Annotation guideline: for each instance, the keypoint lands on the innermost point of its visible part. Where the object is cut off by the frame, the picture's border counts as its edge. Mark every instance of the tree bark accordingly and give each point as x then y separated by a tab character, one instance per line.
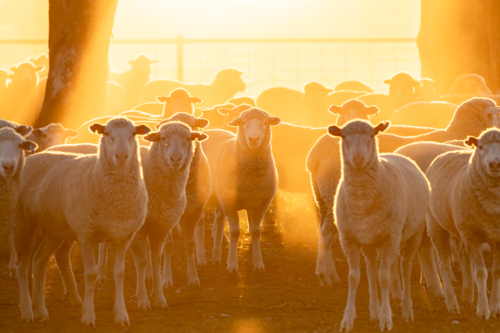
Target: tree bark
79	35
460	37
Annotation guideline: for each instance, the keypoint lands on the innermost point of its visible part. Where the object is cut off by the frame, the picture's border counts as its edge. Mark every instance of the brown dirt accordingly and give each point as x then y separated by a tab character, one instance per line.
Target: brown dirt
286	297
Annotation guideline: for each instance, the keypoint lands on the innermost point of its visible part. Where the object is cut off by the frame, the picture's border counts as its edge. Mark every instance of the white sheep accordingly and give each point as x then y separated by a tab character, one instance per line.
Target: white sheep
353	85
402	84
242	100
352	109
426	88
166	167
380	206
51	135
134	79
244	177
469	84
216	118
227	83
89	198
336	98
424	114
464	210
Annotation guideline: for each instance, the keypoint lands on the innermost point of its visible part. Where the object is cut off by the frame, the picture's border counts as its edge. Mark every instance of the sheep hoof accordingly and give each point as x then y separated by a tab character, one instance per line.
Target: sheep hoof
143	304
12	273
453	307
483	312
27	315
167	283
193	280
202	262
232	268
347	323
41	314
324	279
386	321
495	309
122	319
88	319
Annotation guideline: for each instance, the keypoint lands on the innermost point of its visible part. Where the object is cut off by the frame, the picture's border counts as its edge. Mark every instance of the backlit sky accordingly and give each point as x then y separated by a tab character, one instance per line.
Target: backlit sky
28	19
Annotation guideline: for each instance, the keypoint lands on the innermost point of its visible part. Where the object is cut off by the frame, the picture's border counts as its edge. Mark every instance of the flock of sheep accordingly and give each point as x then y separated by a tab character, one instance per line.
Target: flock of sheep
155	162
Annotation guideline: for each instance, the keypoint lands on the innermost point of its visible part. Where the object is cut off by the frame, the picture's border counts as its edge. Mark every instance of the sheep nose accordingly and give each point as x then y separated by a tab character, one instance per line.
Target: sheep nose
8	167
358	159
495	165
253	139
121	157
176	159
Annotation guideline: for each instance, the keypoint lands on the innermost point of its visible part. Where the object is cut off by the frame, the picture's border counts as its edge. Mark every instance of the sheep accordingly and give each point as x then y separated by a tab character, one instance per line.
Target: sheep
473	117
336	98
353	85
380	206
402	84
51	135
294	106
430	114
242	100
166	167
216	118
469	84
116	99
42	60
89	198
426	88
387	104
244	177
352	109
227	83
464	210
134	79
233	113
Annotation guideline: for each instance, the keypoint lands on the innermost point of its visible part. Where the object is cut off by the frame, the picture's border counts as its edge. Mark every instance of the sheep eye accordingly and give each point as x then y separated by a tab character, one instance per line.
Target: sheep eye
45	135
244	123
480	147
20	146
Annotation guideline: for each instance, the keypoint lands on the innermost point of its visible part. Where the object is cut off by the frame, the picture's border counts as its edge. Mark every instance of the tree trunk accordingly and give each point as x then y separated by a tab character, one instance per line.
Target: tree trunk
460	37
79	35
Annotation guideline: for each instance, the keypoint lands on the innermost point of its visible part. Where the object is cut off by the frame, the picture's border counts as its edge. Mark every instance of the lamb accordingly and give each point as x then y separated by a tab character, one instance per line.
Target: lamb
166	167
242	100
470	84
244	177
464	210
430	114
380	206
89	198
294	106
353	85
51	135
323	165
134	79
216	118
227	83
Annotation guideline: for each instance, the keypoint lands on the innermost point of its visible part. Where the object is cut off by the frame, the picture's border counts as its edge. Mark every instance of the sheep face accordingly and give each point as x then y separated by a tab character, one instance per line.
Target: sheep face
26	73
402	85
487	152
217	114
353	109
178	101
188	119
175	142
118	140
359	146
255	126
230	78
11	148
53	135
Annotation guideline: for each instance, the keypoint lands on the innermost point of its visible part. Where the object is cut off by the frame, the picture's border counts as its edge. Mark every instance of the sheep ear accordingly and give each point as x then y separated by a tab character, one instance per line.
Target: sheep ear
334	131
224	112
162	99
236	122
274	121
39	68
202	123
381	127
471	141
372	110
23	129
334	109
199	136
152	137
387	81
142	130
30	145
97	128
71	133
13	69
37	132
195	100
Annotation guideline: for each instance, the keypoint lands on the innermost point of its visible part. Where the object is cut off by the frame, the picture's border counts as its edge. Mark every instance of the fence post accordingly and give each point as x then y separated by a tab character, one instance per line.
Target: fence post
180	58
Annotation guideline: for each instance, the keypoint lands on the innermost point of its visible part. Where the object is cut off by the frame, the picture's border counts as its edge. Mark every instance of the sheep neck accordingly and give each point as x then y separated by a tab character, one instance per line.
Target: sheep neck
254	161
485	188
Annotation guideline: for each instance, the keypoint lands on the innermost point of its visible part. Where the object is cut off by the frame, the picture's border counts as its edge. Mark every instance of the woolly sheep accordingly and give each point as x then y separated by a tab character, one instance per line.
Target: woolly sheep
216	118
380	206
89	198
233	113
242	100
323	164
166	167
464	210
429	114
51	135
294	106
387	104
243	177
426	88
469	84
336	98
352	109
353	85
227	83
134	79
402	84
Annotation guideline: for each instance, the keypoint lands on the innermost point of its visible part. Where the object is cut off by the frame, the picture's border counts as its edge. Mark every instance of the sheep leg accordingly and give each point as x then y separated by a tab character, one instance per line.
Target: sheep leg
63	261
218	232
121	315
352	251
388	256
234	236
465	263
156	241
139	248
408	251
325	266
13	256
428	266
200	243
166	276
481	275
370	253
189	242
102	262
495	291
396	290
149	267
441	241
255	217
41	259
88	313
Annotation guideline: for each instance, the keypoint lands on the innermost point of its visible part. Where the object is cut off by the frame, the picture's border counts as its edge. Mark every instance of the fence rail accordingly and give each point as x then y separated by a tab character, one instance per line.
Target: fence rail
266	61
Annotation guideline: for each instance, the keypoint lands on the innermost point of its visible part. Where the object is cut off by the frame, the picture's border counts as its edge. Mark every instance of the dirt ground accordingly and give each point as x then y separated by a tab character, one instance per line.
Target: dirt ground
287	297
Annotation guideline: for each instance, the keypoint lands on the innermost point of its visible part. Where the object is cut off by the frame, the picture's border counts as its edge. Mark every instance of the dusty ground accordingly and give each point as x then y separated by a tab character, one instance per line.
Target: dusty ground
286	297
